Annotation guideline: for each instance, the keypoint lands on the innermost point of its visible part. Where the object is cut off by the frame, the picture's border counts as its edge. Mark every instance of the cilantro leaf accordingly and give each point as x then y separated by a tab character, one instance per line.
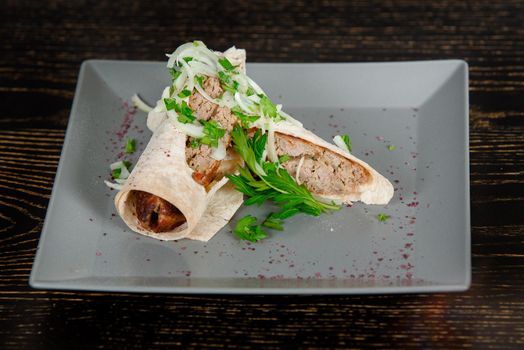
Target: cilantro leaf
130	146
245	119
170	103
213	132
224	62
185	114
228	83
247	229
184	93
250	91
383	217
116	173
199	80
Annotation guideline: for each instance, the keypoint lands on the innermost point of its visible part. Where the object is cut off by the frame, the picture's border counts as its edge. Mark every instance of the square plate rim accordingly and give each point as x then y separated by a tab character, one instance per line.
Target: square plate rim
36	283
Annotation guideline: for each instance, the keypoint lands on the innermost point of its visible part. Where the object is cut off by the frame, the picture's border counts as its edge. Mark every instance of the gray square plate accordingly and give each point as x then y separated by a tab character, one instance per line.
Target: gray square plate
421	108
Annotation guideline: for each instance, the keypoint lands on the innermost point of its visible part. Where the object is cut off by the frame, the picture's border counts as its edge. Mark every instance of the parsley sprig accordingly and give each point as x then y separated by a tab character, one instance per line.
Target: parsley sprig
261	181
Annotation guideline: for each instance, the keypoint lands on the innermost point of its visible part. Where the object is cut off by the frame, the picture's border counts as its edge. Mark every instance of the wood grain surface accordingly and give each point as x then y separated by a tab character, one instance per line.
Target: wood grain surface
42	45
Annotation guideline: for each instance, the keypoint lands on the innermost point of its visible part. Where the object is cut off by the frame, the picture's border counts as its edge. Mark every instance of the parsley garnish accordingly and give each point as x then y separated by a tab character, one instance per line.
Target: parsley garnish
284	158
391	148
185	114
184	93
383	217
130	146
245	119
227	83
174	73
195	43
116	173
268	108
199	79
262	181
170	103
250	91
194	143
347	141
224	62
247	229
213	133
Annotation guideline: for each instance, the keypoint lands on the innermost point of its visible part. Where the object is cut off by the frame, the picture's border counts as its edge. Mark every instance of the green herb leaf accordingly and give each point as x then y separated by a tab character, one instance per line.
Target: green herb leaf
245	119
247	229
267	107
170	103
224	62
199	80
195	43
188	59
347	141
194	143
185	114
130	146
273	222
250	91
383	217
227	82
262	181
116	173
284	158
184	93
174	73
213	132
391	148
127	164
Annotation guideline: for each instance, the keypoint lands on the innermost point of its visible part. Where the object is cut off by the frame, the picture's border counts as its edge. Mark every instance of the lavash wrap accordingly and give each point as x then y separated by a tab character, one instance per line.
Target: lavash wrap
162	170
377	190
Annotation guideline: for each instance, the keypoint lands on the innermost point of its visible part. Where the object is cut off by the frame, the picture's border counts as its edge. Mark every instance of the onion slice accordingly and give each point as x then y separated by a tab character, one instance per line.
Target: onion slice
193	130
340	143
299	167
140	104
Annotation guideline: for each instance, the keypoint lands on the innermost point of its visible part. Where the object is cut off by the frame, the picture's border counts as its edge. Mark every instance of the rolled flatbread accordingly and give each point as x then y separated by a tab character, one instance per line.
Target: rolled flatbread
162	171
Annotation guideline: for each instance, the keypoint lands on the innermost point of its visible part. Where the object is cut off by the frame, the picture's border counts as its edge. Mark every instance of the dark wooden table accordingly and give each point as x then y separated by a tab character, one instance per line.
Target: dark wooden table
42	46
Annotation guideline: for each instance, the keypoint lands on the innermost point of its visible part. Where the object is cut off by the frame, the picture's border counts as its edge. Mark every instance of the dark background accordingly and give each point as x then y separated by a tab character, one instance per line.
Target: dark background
42	44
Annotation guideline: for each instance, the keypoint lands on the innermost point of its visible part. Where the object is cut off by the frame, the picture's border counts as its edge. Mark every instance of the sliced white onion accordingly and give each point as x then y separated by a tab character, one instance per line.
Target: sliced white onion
165	93
200	68
180	81
120	181
140	104
228	100
173	57
113	185
254	98
192	130
206	96
270	146
117	165
299	167
340	143
219	153
243	103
